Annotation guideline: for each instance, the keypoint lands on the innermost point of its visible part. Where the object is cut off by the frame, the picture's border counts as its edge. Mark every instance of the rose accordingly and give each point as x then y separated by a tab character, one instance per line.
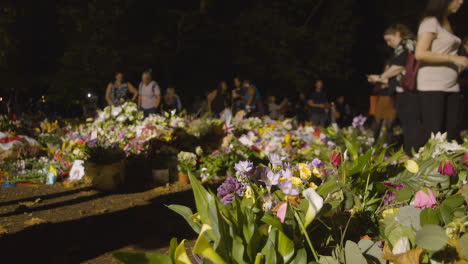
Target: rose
336	159
446	168
425	199
465	159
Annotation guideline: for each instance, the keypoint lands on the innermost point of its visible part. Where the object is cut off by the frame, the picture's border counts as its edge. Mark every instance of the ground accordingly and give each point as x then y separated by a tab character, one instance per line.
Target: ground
55	224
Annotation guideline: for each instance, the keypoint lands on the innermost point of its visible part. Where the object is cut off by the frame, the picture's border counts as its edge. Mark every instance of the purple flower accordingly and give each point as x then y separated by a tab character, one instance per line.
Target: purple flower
111	128
400	186
389	198
287	187
359	121
92	143
269	202
228	188
227	199
121	135
243	167
317	163
287	173
270	178
276	160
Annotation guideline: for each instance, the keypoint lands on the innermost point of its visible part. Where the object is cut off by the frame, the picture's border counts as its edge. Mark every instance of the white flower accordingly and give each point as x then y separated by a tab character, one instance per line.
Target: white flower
315	204
402	246
116	111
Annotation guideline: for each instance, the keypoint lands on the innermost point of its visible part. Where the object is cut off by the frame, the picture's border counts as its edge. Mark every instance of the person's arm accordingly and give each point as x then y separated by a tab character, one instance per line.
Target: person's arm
179	103
251	95
209	99
134	91
313	104
424	54
392	71
108	94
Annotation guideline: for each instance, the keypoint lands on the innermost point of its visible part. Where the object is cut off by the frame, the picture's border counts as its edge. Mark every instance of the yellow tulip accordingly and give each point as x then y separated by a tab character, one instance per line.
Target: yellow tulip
412	166
287	139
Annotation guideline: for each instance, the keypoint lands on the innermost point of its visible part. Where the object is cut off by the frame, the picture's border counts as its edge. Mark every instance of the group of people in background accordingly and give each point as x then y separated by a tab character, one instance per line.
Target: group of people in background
148	95
436	105
244	95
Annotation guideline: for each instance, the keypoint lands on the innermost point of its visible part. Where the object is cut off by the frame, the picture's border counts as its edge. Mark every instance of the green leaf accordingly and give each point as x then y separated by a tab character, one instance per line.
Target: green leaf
173	247
429	217
370	250
328	260
203	247
431	237
465	192
141	258
404	194
328	187
445	213
463	243
454	201
186	213
202	197
285	246
353	253
301	257
409	216
269	250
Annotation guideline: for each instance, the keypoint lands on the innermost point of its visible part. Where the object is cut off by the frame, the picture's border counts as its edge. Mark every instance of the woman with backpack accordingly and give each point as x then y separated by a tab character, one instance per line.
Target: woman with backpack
117	92
150	94
438	75
401	39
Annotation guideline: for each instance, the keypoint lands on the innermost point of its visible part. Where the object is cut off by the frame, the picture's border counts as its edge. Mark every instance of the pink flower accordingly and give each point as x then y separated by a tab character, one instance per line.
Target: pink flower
446	168
425	199
336	159
465	159
281	214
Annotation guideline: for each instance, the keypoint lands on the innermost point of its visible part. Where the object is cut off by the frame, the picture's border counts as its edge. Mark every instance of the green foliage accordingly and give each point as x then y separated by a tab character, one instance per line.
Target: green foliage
431	237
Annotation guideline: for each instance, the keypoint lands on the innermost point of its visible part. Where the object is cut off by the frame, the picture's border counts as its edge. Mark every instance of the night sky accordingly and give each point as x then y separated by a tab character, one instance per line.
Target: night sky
65	49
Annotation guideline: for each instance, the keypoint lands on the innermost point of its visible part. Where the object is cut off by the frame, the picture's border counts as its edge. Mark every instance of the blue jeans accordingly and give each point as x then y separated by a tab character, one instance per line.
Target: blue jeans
147	112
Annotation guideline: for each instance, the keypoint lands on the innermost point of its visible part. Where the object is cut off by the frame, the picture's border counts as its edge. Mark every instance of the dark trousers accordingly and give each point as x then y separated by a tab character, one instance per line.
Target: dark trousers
440	112
409	114
147	112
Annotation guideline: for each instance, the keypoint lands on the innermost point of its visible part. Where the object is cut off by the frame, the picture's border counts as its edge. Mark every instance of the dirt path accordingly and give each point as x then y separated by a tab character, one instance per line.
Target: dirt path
53	224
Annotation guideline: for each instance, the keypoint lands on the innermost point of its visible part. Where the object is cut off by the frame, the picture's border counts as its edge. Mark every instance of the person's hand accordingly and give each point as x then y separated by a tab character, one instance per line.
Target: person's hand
373	78
460	61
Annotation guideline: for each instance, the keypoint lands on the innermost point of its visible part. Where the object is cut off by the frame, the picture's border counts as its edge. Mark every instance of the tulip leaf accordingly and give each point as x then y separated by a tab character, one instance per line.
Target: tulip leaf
203	247
429	217
201	199
173	247
269	250
431	237
454	201
301	257
272	220
186	213
285	246
404	194
328	260
141	258
353	253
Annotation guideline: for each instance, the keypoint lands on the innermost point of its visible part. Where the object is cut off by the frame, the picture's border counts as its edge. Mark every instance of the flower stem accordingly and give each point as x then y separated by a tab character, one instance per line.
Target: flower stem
301	225
365	193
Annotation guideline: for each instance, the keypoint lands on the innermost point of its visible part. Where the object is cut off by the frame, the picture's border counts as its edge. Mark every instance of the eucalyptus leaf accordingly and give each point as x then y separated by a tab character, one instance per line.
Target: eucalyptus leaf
454	201
463	243
404	194
431	237
370	249
353	253
409	217
328	260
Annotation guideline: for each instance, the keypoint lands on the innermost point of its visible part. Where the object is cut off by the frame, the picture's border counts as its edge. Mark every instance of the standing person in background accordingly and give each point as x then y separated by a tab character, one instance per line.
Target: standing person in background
237	96
150	94
318	102
437	49
253	99
463	79
343	112
117	92
218	99
172	100
302	109
402	40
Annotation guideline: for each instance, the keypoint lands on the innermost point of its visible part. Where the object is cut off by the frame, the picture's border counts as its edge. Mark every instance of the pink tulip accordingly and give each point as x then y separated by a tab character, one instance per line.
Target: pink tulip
425	199
336	159
465	159
281	214
446	168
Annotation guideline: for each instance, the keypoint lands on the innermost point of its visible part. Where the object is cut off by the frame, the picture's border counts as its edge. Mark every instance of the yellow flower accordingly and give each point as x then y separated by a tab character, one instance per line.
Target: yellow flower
316	172
282	179
296	181
412	166
304	171
390	212
313	186
261	131
249	194
287	139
